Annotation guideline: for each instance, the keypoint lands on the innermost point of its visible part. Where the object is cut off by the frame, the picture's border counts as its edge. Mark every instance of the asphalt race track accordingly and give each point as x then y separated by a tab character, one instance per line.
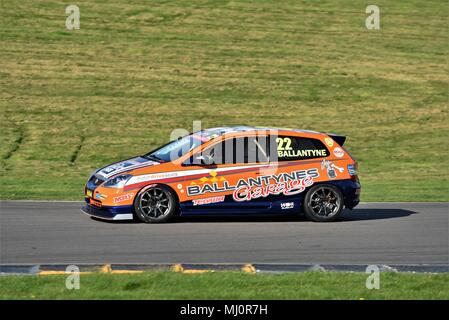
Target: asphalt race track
374	233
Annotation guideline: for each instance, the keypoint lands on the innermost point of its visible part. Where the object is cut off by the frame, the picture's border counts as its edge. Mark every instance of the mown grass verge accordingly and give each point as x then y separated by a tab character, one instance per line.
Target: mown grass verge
228	285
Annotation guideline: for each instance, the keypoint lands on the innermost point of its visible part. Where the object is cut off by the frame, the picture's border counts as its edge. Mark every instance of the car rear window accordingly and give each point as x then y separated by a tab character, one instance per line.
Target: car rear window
289	148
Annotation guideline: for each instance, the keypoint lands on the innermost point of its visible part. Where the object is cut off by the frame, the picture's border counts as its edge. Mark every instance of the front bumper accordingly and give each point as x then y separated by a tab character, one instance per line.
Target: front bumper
108	213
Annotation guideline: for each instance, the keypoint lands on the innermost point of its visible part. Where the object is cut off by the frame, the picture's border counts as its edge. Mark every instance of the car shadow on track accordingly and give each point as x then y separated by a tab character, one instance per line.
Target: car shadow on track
347	216
374	214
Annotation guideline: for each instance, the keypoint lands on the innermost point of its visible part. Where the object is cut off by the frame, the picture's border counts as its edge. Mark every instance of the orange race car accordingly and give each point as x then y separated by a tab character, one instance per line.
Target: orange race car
230	171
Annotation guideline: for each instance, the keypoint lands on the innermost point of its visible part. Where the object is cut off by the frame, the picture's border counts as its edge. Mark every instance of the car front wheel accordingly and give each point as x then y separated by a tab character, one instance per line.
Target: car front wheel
156	203
323	203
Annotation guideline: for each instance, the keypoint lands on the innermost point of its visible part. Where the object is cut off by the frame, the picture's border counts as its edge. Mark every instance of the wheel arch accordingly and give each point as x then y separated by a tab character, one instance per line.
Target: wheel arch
177	212
317	184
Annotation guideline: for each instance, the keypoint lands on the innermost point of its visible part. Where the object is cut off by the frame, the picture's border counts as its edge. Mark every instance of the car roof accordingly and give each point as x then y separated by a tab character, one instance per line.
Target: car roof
219	131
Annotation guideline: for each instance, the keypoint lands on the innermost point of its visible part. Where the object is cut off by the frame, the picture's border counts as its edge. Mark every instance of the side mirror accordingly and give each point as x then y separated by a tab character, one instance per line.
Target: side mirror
205	160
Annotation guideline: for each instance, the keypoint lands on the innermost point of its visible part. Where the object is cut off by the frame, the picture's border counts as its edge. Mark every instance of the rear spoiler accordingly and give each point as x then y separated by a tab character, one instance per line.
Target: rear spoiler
337	138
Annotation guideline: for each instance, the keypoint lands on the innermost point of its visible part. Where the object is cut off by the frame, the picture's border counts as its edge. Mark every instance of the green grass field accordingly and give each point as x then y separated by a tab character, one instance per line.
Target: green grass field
71	101
228	285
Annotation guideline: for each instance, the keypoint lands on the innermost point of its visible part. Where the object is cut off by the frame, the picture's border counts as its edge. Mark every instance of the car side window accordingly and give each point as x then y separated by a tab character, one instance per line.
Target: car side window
217	153
258	148
251	149
290	148
235	151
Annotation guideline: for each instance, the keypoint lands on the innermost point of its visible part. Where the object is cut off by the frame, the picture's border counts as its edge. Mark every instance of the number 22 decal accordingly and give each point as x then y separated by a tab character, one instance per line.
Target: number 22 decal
284	144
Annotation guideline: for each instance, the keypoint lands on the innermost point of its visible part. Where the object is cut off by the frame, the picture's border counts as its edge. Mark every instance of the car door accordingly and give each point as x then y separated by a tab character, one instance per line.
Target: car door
228	162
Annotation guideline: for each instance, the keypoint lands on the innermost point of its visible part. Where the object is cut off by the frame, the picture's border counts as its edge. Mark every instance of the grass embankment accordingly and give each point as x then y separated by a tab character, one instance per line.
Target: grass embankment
228	285
71	101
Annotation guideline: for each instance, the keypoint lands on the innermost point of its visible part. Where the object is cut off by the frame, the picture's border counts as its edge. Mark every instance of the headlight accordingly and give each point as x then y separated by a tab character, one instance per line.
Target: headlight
118	181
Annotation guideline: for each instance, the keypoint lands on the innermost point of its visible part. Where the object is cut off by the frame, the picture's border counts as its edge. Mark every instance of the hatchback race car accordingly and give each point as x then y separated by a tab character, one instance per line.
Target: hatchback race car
230	171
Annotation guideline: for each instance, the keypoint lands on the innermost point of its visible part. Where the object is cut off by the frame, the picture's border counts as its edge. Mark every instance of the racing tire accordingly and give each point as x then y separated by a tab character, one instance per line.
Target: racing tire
155	204
323	203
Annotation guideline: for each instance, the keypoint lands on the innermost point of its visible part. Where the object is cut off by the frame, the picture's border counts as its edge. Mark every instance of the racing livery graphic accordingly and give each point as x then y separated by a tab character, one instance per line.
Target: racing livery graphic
230	171
331	169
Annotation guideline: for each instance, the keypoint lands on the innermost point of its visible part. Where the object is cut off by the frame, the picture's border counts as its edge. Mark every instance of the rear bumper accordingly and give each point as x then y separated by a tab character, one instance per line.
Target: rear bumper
109	213
351	192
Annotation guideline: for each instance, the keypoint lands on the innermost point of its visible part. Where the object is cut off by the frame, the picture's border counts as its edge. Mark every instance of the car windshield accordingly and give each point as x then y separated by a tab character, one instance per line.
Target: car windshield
177	148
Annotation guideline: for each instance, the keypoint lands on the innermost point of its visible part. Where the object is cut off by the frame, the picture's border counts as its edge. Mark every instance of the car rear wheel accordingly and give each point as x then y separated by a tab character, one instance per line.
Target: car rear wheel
156	203
323	203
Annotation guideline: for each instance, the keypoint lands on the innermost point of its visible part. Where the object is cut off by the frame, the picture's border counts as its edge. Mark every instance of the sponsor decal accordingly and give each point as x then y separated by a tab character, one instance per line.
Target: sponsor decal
198	202
95	203
124	197
329	142
287	205
301	153
212	178
184	173
352	170
150	177
338	152
126	165
179	186
331	169
287	188
261	186
201	137
285	150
